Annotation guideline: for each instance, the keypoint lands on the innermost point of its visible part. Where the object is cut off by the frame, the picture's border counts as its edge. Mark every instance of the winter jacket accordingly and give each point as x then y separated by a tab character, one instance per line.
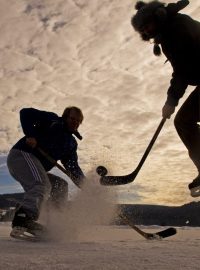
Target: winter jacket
52	136
180	42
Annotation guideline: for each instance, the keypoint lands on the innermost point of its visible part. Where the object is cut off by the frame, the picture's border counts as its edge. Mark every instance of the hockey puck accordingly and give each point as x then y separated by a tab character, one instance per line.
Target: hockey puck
101	170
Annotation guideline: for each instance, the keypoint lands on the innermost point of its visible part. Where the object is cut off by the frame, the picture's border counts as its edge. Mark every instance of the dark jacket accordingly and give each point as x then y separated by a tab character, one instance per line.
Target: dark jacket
180	42
52	136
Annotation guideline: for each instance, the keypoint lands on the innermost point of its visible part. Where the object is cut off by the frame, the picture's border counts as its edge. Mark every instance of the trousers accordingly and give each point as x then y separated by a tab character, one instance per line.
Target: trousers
38	184
188	129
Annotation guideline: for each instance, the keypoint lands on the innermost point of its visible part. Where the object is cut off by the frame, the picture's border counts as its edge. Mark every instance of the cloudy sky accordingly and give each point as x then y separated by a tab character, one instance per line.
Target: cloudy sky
84	52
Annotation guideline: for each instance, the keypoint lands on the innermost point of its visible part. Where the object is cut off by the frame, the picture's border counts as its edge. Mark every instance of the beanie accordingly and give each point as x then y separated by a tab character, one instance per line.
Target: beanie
156	12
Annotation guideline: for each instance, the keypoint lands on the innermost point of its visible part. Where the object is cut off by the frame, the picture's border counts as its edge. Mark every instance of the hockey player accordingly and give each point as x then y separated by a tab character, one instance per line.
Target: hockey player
178	37
54	135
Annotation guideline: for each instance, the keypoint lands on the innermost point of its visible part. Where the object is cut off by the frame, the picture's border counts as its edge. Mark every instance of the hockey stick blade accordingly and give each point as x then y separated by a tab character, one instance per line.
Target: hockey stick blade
166	233
118	180
126	179
159	235
150	236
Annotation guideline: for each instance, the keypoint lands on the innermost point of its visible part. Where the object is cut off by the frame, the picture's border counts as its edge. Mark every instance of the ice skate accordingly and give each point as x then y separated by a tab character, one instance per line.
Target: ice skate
25	228
23	233
194	187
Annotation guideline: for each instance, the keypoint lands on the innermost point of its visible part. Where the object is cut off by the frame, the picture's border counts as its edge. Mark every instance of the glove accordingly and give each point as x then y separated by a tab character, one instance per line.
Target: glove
167	111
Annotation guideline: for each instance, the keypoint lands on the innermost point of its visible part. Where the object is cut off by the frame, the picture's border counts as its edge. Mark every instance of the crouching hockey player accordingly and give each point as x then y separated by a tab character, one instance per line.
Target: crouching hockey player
55	135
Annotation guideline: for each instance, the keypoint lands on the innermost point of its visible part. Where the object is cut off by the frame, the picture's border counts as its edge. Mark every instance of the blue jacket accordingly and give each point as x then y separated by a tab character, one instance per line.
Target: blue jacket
52	136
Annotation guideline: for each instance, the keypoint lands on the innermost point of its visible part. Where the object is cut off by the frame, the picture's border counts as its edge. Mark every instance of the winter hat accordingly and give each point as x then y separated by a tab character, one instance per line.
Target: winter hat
158	13
154	11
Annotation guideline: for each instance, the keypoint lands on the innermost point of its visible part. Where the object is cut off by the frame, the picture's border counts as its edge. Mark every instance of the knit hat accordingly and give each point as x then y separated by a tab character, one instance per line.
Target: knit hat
148	12
154	12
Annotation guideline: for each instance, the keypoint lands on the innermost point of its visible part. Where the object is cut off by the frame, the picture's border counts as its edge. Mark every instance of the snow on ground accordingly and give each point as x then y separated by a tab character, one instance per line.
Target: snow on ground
103	248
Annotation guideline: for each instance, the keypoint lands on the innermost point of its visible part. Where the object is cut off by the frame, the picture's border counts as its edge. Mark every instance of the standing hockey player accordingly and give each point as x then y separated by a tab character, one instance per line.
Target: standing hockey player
179	38
54	135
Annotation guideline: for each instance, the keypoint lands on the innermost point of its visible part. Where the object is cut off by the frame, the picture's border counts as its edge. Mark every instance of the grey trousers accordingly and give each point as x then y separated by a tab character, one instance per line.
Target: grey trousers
36	182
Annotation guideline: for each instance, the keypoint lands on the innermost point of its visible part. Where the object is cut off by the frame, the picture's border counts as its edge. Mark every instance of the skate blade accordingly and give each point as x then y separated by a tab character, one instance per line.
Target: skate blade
22	234
195	192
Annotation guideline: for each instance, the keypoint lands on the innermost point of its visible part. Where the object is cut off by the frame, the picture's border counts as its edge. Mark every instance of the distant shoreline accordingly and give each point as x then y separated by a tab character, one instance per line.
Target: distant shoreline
140	214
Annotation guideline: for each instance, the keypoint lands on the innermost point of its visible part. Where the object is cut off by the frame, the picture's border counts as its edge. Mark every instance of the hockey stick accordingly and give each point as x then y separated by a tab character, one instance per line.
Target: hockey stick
125	179
149	236
55	163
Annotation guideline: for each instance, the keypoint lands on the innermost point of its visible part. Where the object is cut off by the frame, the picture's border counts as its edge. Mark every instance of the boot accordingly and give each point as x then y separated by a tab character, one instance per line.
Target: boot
194	187
22	224
195	183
